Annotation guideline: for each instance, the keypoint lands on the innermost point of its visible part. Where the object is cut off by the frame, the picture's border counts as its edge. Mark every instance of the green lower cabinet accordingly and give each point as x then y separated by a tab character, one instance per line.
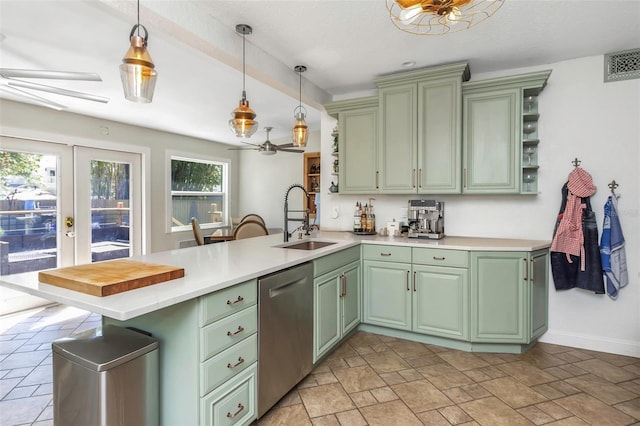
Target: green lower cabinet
337	307
508	296
441	301
387	295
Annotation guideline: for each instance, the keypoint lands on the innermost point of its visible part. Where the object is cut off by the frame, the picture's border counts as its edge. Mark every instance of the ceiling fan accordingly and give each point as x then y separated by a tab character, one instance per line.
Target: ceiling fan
268	148
11	83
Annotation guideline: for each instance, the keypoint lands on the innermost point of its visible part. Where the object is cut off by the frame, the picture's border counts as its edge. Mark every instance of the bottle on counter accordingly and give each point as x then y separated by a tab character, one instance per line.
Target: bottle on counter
363	217
371	217
357	218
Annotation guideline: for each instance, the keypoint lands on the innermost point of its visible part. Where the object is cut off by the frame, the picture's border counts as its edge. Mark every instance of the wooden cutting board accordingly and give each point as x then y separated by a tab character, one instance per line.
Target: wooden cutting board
111	277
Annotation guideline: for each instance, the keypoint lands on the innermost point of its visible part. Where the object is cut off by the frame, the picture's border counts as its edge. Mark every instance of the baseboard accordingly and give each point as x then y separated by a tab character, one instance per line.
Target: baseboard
593	343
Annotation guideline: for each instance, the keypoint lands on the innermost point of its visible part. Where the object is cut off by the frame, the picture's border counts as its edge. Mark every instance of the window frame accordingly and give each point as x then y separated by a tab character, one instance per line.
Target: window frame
197	158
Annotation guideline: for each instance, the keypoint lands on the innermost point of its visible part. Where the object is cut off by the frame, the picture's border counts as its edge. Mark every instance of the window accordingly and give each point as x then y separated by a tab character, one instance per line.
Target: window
198	189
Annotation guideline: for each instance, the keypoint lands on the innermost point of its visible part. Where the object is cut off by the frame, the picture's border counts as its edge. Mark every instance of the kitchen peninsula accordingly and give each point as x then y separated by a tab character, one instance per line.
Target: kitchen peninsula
473	294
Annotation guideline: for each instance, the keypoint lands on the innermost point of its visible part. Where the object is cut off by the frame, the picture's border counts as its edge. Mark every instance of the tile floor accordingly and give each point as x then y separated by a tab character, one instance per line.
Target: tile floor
373	380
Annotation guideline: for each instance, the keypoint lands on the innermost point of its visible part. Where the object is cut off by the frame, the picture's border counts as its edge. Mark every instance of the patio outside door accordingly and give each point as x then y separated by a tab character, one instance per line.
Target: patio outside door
67	206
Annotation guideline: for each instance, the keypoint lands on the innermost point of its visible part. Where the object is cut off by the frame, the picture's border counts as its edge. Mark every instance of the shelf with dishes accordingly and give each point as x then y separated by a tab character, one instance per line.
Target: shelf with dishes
529	142
311	177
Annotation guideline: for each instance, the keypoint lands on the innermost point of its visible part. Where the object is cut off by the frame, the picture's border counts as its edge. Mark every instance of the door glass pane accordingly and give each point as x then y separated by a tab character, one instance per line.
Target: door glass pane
110	210
28	212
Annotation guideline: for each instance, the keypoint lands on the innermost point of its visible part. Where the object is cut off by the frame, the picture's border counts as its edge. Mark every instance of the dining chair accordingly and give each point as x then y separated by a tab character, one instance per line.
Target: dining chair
248	229
256	217
197	232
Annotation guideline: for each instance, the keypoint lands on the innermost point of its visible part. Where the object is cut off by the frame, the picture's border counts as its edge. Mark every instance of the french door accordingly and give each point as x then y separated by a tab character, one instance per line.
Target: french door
63	206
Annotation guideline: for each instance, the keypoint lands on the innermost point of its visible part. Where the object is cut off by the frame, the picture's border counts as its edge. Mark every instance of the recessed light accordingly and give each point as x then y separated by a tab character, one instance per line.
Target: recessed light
408	64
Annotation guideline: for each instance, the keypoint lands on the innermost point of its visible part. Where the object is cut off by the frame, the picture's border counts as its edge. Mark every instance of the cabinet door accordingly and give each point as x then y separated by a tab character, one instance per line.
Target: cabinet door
439	137
441	301
398	136
358	151
499	302
351	300
387	295
327	314
539	292
490	139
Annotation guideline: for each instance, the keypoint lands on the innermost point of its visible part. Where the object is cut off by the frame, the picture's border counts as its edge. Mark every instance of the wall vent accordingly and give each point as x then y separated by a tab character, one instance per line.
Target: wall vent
623	65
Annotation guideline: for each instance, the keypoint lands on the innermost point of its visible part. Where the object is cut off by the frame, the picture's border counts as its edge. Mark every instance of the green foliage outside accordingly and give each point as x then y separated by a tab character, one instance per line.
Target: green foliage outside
109	180
195	176
20	164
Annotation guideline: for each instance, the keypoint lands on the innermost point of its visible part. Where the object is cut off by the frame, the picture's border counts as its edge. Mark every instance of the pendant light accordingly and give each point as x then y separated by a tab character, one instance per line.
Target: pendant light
137	69
243	123
300	133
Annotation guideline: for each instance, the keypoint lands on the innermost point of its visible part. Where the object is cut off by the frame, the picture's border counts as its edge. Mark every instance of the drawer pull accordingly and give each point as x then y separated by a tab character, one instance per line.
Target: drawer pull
233	416
385	254
239	330
240	361
438	257
238	300
408	281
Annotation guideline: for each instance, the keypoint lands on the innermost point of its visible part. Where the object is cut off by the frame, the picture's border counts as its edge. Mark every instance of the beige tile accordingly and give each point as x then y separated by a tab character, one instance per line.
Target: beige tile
355	361
291	398
384	394
491	359
364	350
526	373
325	378
408	349
593	410
463	360
392	378
421	361
337	364
565	371
552	348
410	375
421	396
492	411
458	395
455	415
351	418
486	373
548	391
617	360
291	415
386	362
451	381
564	387
437	370
606	371
362	338
358	379
632	408
321	368
633	386
542	359
535	414
308	382
476	391
345	350
513	392
569	421
328	420
601	389
554	410
362	399
325	399
633	368
390	413
433	418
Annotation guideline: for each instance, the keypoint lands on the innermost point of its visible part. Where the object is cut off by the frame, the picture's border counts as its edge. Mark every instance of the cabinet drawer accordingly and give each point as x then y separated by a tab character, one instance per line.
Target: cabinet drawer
232	403
228	331
226	364
441	257
334	261
225	302
386	253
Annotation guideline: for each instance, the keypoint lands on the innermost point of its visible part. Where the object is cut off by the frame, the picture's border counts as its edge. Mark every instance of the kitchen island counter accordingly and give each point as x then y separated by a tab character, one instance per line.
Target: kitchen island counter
213	267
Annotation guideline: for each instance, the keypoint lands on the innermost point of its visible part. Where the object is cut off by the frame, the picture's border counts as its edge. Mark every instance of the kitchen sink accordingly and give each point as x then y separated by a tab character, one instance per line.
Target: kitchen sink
307	245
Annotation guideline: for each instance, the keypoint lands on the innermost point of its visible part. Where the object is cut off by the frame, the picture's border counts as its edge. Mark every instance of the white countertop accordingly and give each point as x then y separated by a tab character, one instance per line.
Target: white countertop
216	266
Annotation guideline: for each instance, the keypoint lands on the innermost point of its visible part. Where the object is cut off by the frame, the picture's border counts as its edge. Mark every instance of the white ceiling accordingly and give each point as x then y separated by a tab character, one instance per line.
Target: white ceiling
344	43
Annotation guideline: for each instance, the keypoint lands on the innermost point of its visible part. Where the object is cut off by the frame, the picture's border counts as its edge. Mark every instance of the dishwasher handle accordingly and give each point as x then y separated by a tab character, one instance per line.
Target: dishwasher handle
285	287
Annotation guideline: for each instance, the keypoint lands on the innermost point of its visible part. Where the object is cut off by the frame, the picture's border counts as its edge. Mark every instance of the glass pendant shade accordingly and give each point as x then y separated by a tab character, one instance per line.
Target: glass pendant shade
243	122
137	70
437	17
300	133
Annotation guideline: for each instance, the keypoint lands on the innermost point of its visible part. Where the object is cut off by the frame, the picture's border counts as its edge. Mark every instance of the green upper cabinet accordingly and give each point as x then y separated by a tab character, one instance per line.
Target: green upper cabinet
420	130
492	136
357	144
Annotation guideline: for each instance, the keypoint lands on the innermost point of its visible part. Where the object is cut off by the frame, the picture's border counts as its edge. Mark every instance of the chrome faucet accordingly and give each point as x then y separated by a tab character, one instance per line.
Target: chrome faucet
304	219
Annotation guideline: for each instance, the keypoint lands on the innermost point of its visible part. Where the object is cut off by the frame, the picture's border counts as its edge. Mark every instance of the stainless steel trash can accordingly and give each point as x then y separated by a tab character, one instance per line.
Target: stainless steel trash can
105	376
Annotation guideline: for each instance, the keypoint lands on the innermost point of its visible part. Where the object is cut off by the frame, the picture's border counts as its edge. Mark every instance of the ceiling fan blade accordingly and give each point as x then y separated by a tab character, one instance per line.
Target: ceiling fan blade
252	144
285	145
33	98
242	149
52	75
290	150
57	91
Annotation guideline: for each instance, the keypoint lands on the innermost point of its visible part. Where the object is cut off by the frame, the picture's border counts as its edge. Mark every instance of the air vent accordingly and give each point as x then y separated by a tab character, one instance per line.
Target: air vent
623	65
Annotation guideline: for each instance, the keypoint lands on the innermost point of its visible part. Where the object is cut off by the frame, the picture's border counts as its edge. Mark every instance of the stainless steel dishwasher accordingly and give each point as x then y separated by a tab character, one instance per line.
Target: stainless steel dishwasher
285	334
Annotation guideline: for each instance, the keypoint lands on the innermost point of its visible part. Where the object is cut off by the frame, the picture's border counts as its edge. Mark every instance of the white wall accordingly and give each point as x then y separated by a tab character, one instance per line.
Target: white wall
264	180
580	116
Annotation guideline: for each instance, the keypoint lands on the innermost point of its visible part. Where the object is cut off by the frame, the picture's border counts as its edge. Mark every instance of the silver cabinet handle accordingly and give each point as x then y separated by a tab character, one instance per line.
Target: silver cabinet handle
233	333
413	178
385	254
414	281
533	269
419	178
240	361
238	300
526	270
408	281
377	174
232	416
438	257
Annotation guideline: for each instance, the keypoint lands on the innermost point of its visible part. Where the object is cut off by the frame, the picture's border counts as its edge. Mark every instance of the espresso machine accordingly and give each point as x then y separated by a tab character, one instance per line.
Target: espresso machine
426	219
